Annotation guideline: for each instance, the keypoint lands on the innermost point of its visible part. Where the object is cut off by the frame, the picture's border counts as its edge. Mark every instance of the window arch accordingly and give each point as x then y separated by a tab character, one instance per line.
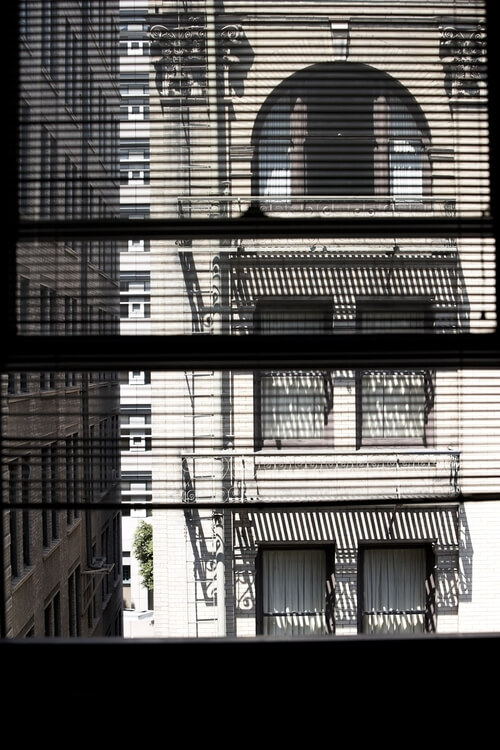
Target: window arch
341	129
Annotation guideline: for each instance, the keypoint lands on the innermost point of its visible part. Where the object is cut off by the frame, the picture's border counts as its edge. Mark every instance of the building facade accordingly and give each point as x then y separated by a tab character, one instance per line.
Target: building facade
322	501
135	305
60	429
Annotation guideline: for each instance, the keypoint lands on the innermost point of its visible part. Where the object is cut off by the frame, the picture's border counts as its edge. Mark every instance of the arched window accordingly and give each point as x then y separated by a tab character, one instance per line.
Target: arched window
341	130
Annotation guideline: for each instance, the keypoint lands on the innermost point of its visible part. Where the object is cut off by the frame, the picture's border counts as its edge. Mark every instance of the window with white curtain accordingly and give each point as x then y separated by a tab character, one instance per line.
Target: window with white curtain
293	595
396	595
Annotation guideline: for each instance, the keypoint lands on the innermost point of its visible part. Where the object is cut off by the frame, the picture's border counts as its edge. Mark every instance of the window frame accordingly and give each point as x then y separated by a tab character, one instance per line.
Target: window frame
430	619
329	611
262	443
426	439
301	140
404	305
113	352
324	308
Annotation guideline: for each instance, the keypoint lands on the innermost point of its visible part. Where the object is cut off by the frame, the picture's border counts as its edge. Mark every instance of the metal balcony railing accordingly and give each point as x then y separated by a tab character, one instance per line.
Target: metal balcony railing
290	477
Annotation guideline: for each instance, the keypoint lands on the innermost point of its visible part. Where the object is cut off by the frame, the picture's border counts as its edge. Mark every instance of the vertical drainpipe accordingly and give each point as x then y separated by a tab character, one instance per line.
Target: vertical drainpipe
212	100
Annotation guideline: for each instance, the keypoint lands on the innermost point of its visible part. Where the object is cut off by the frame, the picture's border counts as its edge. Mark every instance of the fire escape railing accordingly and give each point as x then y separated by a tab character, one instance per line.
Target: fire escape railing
319	477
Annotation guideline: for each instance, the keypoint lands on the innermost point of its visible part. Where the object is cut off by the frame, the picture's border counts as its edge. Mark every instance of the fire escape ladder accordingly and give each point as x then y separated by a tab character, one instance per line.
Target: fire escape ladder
201	468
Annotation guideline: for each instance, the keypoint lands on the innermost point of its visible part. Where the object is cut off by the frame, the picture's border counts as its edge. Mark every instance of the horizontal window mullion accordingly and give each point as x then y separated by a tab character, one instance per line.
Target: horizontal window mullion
273	351
257	225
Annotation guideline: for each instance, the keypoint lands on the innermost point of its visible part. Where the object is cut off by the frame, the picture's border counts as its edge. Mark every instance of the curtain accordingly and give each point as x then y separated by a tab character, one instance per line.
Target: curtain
394	591
406	172
381	158
294	592
298	132
274	151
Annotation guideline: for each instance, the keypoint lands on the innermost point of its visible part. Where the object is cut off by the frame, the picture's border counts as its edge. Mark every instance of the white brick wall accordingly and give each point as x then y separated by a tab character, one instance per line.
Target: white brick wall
479	609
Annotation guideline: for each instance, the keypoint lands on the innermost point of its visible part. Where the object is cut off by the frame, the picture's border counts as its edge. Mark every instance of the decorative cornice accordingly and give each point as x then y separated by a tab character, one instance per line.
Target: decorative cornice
231	36
462	49
181	57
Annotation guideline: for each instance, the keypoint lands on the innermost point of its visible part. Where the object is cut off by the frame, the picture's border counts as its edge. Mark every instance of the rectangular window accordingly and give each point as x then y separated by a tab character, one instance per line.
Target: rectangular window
24	19
48	182
393	313
47	328
47	310
396	407
324	153
71	68
25	497
49	35
71	481
295	592
293	315
397	591
70	189
294	407
52	617
74	603
24	305
405	153
13	518
25	159
49	494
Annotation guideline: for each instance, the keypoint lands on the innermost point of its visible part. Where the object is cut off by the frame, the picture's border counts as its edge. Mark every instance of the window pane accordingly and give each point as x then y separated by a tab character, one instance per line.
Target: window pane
135	121
334	138
201	462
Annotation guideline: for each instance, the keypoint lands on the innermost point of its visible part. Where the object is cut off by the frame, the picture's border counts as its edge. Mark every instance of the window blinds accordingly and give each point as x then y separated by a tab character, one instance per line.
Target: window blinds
254	262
